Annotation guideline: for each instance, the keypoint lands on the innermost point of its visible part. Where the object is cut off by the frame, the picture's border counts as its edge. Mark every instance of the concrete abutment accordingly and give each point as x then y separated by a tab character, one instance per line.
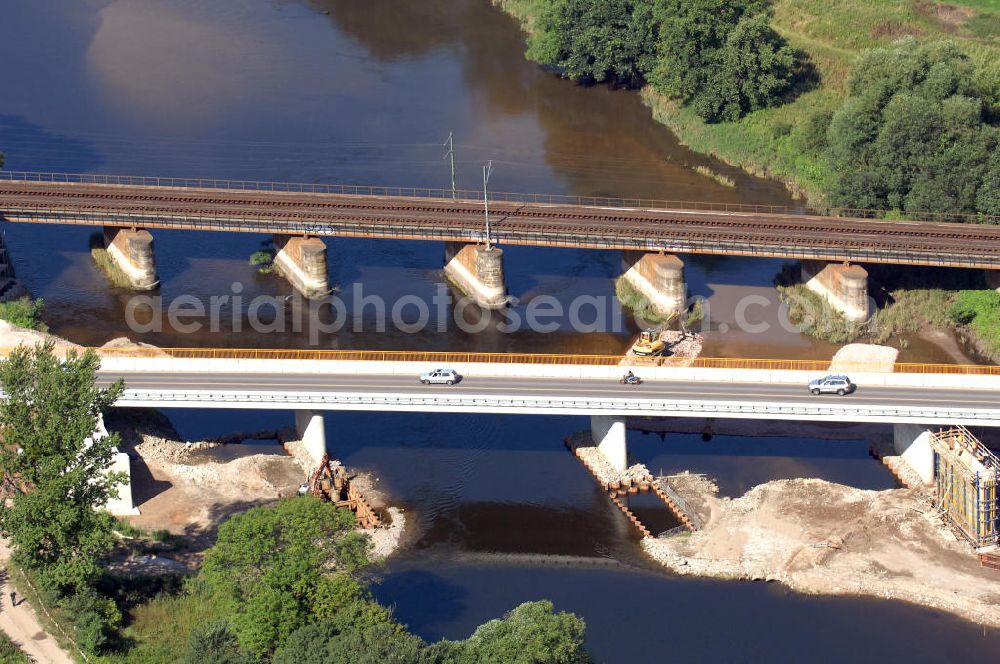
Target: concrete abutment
913	443
302	261
609	434
478	272
844	287
311	430
659	278
132	250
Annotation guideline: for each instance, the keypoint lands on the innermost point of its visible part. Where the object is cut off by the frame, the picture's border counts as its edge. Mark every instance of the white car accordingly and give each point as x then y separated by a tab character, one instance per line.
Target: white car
440	376
839	385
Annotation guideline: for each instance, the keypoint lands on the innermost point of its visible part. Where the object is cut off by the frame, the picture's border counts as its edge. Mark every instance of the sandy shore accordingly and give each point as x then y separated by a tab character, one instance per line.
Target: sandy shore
819	537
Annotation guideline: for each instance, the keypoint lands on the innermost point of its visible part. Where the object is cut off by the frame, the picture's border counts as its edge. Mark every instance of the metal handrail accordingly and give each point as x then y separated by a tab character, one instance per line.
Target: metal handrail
446	357
476	196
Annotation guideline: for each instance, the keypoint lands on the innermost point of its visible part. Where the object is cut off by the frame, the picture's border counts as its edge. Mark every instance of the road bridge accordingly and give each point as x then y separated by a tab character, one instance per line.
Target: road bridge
298	215
309	382
540	385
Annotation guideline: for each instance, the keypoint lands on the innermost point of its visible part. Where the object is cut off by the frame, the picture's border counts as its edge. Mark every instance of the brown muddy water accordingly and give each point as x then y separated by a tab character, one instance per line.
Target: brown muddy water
278	90
365	94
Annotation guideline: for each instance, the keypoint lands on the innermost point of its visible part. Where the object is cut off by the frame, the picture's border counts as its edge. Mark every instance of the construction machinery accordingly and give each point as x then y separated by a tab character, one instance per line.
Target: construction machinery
331	482
649	344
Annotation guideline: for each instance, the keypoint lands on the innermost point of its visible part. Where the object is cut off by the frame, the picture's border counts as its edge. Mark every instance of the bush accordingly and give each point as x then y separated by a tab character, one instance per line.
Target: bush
96	620
753	70
721	56
23	312
214	644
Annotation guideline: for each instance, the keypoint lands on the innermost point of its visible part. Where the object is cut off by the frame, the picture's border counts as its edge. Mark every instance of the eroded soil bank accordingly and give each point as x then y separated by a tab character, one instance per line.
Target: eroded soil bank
820	537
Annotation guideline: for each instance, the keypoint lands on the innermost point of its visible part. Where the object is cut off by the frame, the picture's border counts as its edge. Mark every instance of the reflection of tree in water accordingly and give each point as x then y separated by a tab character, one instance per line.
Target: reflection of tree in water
393	30
601	142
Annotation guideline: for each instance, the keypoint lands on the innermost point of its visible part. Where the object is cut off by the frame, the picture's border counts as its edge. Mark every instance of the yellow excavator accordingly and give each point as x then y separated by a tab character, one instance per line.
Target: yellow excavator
649	344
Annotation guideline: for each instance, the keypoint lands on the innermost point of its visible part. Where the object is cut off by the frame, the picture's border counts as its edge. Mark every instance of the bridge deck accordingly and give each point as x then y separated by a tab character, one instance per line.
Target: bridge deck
526	223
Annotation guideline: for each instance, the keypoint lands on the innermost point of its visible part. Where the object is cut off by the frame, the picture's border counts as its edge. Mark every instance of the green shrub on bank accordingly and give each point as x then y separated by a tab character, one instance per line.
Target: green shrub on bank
979	311
23	312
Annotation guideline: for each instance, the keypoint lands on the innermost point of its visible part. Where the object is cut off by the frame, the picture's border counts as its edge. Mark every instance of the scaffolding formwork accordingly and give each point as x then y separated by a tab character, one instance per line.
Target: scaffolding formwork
967	476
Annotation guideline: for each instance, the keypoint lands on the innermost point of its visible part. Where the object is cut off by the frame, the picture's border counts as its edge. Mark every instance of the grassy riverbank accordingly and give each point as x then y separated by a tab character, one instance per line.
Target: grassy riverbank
775	142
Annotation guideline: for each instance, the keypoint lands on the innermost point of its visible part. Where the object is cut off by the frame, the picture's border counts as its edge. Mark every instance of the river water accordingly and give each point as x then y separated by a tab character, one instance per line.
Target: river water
366	94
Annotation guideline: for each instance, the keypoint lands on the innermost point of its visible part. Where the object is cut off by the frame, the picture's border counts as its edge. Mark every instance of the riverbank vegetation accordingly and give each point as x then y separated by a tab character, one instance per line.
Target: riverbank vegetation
891	104
283	583
24	312
909	300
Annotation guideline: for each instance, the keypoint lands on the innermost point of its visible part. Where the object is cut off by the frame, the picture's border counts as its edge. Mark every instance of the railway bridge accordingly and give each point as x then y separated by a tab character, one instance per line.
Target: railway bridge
650	233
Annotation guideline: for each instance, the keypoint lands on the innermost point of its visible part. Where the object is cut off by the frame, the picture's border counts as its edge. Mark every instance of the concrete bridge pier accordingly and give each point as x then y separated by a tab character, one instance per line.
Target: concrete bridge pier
302	261
478	272
132	250
658	277
609	435
913	443
843	286
311	431
993	279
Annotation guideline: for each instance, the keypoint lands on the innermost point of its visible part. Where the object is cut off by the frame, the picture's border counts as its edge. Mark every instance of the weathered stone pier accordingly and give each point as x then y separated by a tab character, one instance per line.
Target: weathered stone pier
478	272
843	286
302	261
658	277
132	250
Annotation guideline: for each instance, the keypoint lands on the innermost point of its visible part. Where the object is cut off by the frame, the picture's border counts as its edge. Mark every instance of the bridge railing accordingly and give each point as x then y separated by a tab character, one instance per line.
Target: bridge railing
475	196
444	358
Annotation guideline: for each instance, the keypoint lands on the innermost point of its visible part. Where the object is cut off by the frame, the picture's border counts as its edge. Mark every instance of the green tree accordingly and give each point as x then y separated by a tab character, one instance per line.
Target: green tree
913	134
376	645
55	474
532	633
273	563
701	55
596	40
755	68
988	196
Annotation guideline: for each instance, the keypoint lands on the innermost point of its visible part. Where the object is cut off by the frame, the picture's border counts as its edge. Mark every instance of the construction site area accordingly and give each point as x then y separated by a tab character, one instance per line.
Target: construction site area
931	544
189	488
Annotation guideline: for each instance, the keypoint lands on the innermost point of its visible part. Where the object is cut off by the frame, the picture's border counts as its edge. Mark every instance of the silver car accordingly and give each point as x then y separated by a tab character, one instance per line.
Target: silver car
839	385
440	376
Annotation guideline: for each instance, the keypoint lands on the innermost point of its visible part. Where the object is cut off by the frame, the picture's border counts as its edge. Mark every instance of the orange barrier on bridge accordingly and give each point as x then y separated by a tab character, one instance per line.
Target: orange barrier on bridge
445	358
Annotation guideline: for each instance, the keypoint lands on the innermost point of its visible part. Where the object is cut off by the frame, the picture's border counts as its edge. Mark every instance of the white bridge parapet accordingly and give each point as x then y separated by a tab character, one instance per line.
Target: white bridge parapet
552	389
497	369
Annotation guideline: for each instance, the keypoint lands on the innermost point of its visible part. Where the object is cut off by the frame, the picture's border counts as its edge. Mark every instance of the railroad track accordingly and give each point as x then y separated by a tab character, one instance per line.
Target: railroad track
739	233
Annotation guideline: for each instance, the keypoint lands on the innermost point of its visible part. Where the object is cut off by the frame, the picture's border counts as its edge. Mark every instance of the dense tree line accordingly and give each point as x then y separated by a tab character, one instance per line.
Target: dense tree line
721	56
913	134
916	132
